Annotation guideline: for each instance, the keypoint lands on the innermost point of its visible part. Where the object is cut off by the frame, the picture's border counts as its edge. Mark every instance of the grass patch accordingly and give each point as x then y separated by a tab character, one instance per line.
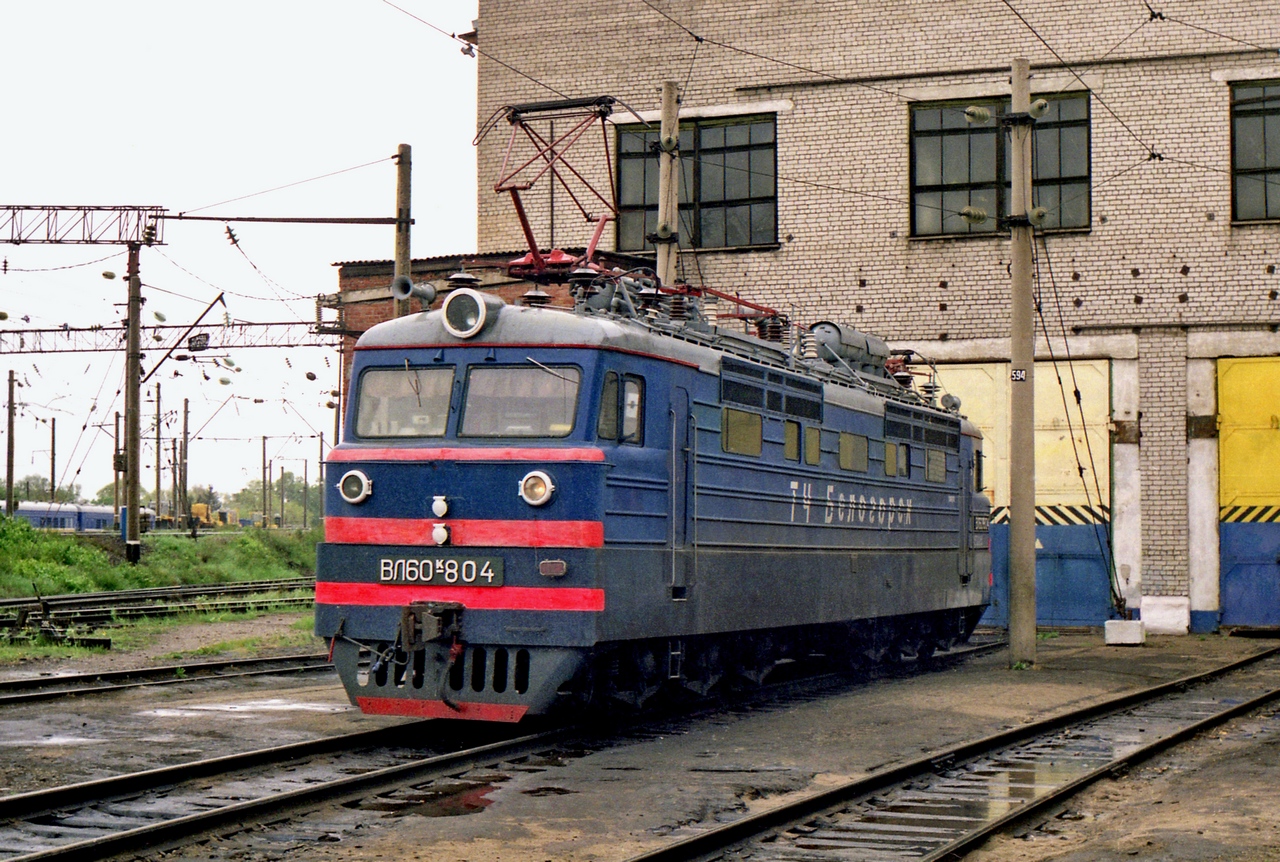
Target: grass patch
14	653
49	563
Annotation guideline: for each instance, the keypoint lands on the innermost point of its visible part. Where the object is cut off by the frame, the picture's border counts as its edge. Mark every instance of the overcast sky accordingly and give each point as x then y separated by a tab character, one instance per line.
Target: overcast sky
182	105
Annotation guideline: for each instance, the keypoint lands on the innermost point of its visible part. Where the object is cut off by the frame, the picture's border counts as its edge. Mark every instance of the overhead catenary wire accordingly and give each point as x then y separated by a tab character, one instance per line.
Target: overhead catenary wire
700	37
1104	547
288	185
471	49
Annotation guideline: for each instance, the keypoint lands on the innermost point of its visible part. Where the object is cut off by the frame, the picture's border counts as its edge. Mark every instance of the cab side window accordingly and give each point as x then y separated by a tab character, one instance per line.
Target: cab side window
621	409
607	426
633	410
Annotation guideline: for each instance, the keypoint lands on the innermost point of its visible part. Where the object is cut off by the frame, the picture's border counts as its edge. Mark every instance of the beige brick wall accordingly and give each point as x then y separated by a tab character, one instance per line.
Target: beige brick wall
1161	250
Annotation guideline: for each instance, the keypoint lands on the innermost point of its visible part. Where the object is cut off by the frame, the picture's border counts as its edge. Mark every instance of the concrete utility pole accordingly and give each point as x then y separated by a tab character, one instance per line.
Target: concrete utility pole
115	475
186	439
53	460
133	411
159	451
1022	441
173	480
282	498
306	493
403	263
265	486
668	185
8	482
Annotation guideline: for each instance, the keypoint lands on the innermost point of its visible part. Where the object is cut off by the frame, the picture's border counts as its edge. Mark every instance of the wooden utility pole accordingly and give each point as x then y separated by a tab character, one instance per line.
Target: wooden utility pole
1022	463
132	412
668	185
53	460
8	481
403	263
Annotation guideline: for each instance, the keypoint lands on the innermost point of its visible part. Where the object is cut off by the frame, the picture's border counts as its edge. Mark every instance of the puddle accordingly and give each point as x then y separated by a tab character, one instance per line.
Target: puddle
439	799
51	740
274	705
548	791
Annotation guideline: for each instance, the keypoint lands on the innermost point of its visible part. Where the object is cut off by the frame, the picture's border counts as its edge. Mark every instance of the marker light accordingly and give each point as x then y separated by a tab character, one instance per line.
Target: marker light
439	507
440	533
536	488
355	487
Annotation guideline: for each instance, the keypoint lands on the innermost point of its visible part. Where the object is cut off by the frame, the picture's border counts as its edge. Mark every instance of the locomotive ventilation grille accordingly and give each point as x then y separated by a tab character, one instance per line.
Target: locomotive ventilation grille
477	669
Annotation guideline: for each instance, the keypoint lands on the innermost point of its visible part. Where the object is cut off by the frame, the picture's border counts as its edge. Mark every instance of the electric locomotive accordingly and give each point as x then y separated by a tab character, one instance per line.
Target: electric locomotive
537	507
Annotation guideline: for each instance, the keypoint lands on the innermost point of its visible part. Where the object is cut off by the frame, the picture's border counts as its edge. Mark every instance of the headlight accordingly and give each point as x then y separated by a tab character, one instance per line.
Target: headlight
536	488
355	487
468	311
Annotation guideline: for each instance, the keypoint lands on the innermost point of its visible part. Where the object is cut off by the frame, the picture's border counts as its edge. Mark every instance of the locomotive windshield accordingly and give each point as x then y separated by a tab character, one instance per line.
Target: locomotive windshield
525	401
404	402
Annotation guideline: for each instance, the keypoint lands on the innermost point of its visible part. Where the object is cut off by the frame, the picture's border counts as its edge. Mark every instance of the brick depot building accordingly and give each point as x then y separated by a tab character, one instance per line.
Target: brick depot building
826	156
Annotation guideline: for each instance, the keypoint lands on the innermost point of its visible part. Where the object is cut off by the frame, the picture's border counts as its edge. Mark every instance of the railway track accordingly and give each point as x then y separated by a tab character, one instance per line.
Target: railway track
31	689
63	617
128	813
942	806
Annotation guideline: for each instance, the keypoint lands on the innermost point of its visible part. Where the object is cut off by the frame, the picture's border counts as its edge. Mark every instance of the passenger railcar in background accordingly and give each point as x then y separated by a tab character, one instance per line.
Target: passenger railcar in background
76	517
534	507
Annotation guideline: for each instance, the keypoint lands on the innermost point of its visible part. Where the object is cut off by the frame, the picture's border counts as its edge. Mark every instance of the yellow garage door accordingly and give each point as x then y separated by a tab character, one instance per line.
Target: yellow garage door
1061	438
1248	438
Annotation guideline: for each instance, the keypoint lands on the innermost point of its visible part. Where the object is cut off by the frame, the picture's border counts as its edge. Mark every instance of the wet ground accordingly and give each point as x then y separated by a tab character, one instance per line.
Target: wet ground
637	792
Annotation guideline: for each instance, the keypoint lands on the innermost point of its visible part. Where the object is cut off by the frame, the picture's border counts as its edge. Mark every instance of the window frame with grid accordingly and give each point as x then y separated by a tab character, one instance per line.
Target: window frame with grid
709	217
950	176
1255	170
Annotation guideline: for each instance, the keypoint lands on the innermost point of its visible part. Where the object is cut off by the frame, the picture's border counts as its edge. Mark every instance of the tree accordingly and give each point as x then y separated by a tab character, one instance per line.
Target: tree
34	487
205	494
106	495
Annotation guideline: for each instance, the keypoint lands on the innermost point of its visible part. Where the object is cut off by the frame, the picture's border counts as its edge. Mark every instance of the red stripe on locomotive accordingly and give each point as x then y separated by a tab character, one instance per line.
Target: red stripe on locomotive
455	453
498	534
440	709
477	598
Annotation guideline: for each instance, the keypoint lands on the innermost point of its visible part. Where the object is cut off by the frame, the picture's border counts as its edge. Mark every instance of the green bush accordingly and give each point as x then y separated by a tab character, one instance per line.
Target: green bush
63	563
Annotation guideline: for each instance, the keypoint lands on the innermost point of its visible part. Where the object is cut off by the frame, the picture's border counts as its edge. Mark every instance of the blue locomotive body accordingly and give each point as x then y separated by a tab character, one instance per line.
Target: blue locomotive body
537	506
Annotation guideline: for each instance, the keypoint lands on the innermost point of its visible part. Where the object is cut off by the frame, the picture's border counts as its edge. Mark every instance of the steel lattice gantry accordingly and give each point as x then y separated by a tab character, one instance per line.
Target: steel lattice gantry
80	225
97	339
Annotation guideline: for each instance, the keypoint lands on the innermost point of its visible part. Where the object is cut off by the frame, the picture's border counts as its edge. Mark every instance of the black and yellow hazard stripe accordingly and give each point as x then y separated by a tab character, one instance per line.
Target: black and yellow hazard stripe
1250	514
1059	516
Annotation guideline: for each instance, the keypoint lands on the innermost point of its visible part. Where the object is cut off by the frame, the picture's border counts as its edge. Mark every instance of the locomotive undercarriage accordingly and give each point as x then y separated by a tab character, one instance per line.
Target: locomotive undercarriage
504	683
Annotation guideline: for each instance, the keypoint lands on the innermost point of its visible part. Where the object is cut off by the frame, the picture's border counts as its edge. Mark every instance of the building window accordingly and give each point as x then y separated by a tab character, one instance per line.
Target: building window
955	164
728	192
1255	150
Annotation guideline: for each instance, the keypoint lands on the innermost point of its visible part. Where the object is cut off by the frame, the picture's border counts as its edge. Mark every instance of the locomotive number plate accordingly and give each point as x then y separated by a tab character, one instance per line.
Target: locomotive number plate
459	571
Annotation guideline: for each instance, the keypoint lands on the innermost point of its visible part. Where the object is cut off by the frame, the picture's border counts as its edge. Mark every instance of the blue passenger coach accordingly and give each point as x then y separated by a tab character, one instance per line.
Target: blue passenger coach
534	507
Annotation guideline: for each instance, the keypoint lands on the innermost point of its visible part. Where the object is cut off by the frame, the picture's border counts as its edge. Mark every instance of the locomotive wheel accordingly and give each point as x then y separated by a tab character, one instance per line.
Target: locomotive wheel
637	676
704	669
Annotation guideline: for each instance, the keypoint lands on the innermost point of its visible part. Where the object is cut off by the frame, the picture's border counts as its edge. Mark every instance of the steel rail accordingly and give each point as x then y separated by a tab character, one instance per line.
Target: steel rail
33	689
90	792
714	841
150	835
183	591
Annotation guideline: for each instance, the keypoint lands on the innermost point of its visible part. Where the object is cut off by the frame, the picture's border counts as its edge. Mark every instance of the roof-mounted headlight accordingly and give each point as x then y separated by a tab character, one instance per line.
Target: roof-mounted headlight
467	311
355	487
536	488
